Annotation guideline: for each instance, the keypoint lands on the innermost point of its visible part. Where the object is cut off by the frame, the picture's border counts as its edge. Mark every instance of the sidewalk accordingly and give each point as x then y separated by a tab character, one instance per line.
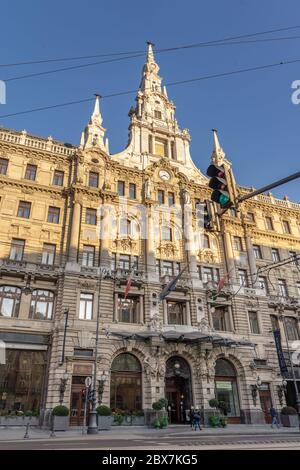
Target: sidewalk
121	432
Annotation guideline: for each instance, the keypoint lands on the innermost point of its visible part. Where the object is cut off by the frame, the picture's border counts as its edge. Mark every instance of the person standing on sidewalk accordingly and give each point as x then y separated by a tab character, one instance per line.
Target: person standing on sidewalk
197	420
191	416
274	416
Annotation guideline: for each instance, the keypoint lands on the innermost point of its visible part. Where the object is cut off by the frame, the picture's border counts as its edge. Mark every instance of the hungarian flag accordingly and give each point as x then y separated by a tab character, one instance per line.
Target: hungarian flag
129	281
170	286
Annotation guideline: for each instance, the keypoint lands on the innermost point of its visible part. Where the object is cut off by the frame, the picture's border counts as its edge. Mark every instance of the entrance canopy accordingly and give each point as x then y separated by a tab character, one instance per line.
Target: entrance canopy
186	337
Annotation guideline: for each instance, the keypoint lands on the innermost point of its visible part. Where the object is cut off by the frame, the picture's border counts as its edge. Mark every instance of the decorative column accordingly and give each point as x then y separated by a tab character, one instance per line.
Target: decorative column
150	247
229	256
115	307
188	313
165	312
75	230
251	260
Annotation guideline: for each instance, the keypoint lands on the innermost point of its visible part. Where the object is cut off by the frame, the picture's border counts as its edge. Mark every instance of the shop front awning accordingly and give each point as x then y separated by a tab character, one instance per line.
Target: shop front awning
192	337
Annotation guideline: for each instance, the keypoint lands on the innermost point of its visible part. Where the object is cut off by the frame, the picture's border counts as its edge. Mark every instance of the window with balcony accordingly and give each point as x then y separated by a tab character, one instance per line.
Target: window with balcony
165	267
220	319
93	179
243	278
48	254
286	226
269	223
263	284
88	256
282	288
121	188
24	209
237	244
30	173
161	196
124	262
275	255
3	166
207	274
160	147
91	216
58	178
53	215
41	307
292	329
128	309
86	306
254	323
10	298
257	252
132	191
176	313
17	249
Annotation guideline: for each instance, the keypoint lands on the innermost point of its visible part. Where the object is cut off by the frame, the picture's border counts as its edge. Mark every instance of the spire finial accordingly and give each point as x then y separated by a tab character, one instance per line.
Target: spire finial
96	117
150	55
218	154
93	135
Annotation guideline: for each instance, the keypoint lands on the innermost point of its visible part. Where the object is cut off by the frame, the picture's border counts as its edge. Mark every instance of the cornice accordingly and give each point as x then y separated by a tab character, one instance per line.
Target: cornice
32	187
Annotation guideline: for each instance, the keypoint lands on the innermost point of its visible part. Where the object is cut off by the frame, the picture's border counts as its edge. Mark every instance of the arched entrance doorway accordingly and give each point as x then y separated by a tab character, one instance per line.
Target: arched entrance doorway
226	389
126	383
178	389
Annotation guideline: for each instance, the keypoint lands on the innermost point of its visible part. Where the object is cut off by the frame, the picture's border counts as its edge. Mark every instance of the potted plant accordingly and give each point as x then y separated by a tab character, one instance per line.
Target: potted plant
289	417
158	411
60	418
104	417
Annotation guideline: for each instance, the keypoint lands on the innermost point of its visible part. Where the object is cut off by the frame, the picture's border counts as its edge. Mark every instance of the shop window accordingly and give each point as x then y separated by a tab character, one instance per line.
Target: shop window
226	387
10	298
126	383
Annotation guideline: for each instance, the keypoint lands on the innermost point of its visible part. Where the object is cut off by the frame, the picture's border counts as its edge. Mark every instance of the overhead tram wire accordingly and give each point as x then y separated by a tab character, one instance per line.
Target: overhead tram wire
216	42
179	82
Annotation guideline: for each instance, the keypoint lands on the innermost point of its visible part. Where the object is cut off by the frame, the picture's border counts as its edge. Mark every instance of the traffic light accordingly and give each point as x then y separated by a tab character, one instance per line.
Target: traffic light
220	184
207	216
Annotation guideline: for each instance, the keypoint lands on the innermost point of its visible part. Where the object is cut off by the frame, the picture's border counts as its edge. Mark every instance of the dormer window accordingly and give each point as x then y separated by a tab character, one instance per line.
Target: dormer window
157	114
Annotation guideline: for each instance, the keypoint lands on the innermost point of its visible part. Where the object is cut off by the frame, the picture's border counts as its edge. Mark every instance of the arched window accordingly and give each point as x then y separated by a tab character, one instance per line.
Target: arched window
10	297
291	325
41	307
126	383
226	388
166	233
206	243
125	227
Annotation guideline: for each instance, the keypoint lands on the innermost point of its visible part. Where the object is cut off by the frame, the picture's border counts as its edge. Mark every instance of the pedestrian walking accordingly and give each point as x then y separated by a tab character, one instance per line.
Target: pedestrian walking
197	420
274	416
191	416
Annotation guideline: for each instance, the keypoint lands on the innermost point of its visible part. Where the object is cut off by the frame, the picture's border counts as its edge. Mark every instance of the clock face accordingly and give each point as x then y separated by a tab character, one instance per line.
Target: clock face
164	175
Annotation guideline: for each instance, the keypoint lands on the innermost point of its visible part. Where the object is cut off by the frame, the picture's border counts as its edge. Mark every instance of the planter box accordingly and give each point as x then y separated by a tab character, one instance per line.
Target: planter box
131	421
104	422
19	421
152	415
289	421
60	423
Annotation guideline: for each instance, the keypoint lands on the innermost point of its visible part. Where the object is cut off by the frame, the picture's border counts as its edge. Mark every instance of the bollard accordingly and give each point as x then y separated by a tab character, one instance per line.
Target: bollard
26	435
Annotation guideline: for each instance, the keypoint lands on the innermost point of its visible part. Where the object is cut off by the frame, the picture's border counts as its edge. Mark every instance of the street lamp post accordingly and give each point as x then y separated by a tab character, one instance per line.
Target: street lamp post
282	318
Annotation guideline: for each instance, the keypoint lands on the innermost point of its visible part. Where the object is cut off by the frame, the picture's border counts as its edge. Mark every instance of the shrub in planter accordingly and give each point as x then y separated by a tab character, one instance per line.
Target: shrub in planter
60	418
157	406
288	411
104	417
138	413
213	403
163	402
161	422
103	410
289	417
214	421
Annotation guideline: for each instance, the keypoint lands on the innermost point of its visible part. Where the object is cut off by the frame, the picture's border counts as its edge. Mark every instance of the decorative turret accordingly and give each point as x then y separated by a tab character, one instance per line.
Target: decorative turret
93	135
218	154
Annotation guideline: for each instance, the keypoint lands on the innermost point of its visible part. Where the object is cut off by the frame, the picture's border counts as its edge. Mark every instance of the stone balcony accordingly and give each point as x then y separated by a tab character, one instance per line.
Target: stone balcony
8	266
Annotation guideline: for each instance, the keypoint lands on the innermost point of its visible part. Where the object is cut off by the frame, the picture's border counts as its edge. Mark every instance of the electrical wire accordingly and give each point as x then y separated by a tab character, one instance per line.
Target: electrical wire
179	82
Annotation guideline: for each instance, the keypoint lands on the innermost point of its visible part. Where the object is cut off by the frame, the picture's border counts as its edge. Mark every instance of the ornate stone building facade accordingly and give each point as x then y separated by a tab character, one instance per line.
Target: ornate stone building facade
64	265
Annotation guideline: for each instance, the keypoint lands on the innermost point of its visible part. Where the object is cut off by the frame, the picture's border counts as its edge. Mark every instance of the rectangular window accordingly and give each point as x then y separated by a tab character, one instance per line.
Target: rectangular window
171	199
53	215
294	258
257	252
250	217
86	306
121	188
128	309
160	147
83	352
173	151
220	318
93	179
124	262
17	249
48	255
176	313
166	268
150	144
132	191
91	216
30	173
237	244
292	329
286	226
275	255
24	209
253	322
282	288
157	114
208	275
58	178
88	256
161	196
166	234
263	285
243	280
269	223
3	166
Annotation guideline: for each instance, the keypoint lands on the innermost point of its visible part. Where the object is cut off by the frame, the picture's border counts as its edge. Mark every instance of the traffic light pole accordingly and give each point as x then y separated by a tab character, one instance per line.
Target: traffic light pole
270	186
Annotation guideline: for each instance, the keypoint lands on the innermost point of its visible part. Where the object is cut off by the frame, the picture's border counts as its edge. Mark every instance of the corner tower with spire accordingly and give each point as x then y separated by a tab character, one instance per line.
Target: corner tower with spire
93	134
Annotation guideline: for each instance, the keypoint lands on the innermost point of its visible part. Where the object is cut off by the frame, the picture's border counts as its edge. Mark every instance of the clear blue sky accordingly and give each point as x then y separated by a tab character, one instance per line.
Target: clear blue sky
258	124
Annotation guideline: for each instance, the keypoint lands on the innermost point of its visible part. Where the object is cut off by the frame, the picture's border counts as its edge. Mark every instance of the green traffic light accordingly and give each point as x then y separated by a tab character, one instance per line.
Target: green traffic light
223	200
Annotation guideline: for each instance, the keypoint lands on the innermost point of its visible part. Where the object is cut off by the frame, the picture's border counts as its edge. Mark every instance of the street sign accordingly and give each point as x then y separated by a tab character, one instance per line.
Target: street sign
88	382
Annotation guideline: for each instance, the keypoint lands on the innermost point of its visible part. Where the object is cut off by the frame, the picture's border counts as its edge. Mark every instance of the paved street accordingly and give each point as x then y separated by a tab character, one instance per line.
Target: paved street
177	437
